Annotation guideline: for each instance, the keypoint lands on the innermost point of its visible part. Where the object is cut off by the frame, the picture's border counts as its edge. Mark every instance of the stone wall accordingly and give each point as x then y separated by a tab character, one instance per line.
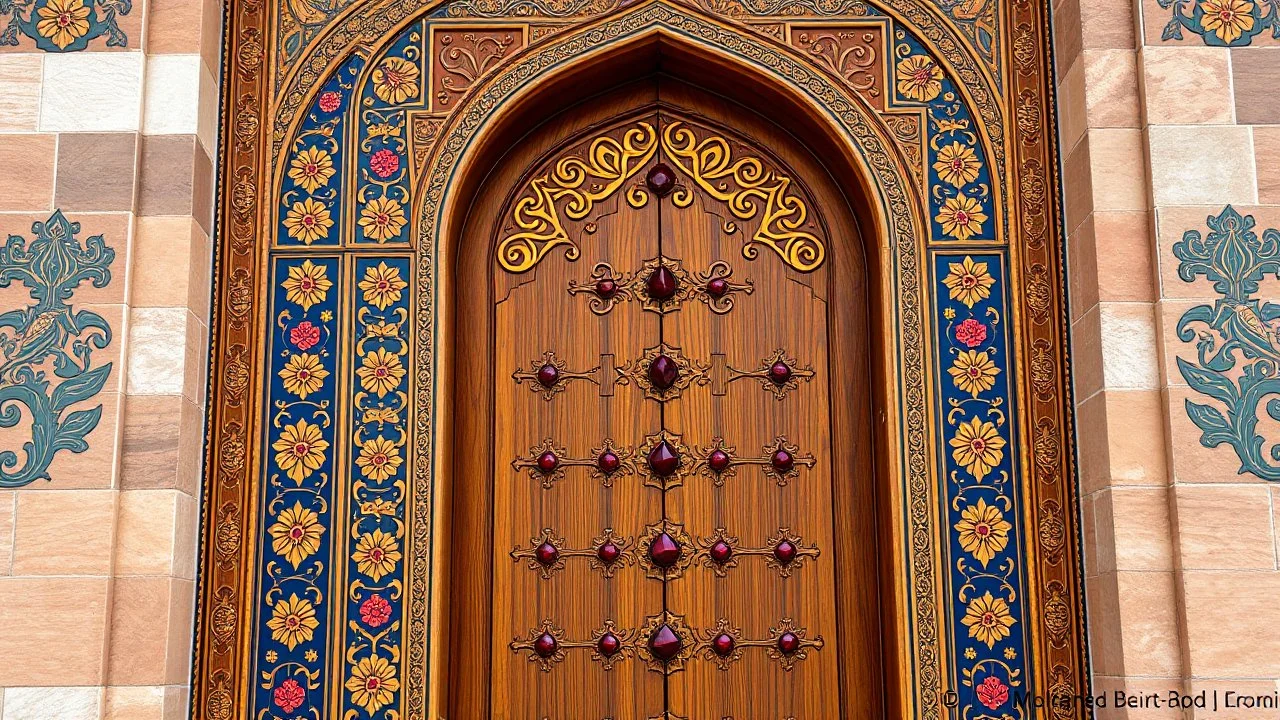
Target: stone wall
1159	133
97	565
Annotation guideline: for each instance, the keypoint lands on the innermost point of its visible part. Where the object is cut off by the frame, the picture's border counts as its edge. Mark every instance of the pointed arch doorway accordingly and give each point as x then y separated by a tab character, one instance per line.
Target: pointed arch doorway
665	492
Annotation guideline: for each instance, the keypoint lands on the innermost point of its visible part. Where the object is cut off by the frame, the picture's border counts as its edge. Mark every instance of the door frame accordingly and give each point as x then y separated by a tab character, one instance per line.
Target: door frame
741	55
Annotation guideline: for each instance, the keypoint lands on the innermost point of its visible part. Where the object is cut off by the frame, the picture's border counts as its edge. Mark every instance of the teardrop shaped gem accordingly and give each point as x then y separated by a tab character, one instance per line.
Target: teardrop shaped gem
662	284
661	180
608	645
545	645
608	462
664	460
663	372
721	552
665	551
665	643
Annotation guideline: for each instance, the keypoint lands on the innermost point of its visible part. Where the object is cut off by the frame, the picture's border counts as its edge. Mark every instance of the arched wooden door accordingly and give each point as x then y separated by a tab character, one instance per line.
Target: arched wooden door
664	504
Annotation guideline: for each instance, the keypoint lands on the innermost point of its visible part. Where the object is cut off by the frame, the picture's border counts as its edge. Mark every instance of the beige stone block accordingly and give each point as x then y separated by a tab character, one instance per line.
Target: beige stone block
145	541
20	102
1130	357
1117	164
207	114
165	174
1255	74
1104	532
53	703
150	442
66	652
201	275
1143	535
204	183
1266	148
1135	433
1149	623
174	26
8	504
1192	461
1275	516
1077	177
1106	24
1086	347
161	261
1172	223
134	703
1201	165
1067	40
1091	439
157	351
1132	691
1105	631
1125	259
96	171
1089	534
177	702
27	181
1111	88
1082	274
1225	527
113	352
171	99
1073	118
197	358
191	448
144	613
91	92
1231	624
1187	85
63	532
186	535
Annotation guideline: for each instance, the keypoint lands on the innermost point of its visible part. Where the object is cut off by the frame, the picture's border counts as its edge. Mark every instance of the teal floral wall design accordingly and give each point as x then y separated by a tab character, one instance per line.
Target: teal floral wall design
50	336
63	25
1237	346
1224	23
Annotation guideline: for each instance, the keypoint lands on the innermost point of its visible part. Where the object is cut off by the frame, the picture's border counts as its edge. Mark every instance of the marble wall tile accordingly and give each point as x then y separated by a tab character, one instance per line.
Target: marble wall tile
27	181
1187	85
165	174
134	703
1266	148
1129	346
146	536
1150	627
139	629
52	703
171	100
1125	256
1141	528
1202	165
1111	88
1116	160
91	92
1255	74
20	102
151	434
157	343
174	26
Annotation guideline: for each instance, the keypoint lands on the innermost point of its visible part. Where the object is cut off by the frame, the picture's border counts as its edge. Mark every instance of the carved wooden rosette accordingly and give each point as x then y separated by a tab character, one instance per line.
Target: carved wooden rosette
638	372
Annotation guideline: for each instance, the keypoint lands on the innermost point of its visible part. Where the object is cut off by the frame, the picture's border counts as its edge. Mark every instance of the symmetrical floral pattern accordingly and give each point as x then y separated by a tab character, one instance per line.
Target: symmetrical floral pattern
1229	23
49	336
298	490
986	577
64	25
959	177
383	183
1237	363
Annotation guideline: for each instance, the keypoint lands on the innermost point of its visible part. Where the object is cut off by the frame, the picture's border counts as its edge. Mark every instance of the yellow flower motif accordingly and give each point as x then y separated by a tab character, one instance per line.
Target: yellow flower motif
919	78
382	286
272	656
973	372
970	653
326	315
376	554
380	372
1010	654
293	621
978	447
1228	19
379	459
988	619
382	219
63	21
308	221
949	314
969	281
957	164
373	683
296	534
303	375
307	284
395	80
310	656
961	217
983	531
311	168
300	450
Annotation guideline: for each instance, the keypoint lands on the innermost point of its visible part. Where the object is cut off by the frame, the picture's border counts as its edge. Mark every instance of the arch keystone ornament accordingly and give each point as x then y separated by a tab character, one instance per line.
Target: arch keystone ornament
731	153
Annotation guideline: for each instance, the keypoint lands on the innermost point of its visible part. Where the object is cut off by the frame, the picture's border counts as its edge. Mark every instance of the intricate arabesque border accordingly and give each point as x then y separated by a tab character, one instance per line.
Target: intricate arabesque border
1037	320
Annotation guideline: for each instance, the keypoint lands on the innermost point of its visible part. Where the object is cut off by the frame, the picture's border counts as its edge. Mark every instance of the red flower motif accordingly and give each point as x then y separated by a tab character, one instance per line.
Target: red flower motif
289	695
384	163
305	335
375	611
330	101
971	333
992	692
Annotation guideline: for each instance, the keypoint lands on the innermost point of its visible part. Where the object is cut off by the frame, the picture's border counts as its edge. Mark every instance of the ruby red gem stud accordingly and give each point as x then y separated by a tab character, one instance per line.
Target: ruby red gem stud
606	287
663	372
608	462
665	551
782	461
779	373
547	554
664	460
548	376
608	553
723	644
788	643
721	552
661	180
662	284
785	552
545	645
664	643
548	462
718	460
608	645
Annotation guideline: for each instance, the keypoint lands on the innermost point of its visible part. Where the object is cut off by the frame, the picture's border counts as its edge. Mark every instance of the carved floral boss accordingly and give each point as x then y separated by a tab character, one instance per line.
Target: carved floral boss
575	185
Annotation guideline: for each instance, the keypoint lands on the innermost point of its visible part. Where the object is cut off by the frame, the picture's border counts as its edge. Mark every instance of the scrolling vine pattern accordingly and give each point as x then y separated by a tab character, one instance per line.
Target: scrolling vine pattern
50	335
1237	348
577	183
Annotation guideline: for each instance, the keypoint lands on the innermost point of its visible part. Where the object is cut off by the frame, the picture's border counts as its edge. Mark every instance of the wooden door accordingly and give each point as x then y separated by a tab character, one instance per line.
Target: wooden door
665	499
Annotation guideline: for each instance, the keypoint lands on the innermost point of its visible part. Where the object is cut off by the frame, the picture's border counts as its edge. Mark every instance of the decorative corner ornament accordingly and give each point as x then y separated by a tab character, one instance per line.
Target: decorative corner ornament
1237	338
51	267
64	25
